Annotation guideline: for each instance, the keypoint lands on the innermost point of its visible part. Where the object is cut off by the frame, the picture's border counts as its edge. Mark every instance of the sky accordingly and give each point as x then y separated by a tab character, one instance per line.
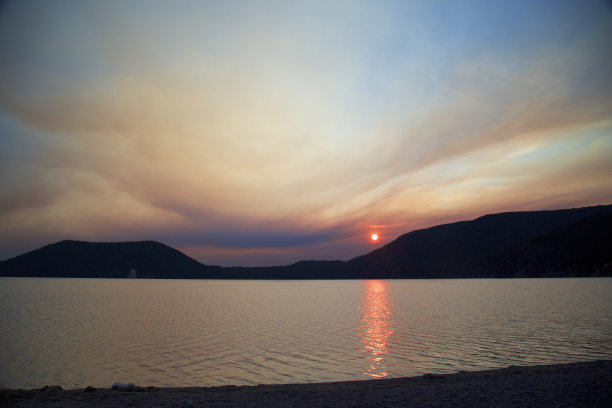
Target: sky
268	132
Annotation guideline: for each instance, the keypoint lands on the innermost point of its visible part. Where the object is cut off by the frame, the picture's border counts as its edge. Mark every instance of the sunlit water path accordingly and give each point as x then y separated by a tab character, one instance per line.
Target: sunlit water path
79	332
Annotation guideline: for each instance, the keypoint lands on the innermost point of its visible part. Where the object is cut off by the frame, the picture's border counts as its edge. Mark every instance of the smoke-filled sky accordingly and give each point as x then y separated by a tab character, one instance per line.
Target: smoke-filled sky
266	132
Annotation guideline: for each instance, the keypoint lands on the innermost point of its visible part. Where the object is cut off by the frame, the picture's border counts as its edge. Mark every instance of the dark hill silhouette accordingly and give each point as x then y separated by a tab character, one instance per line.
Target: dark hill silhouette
298	270
579	249
146	259
499	245
576	242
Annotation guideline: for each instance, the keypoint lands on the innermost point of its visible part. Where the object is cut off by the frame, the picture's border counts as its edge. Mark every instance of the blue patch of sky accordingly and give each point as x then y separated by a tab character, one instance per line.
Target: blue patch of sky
250	238
570	143
18	139
429	40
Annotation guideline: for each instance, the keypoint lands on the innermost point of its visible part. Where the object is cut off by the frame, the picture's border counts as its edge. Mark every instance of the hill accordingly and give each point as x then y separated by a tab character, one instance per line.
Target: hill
574	242
146	259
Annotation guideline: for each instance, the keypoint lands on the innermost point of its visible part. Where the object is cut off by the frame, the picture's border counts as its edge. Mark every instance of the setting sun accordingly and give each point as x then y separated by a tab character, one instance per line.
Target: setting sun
374	237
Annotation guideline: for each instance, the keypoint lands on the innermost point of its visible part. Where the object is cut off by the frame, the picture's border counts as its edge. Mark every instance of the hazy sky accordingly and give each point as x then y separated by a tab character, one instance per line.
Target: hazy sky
260	133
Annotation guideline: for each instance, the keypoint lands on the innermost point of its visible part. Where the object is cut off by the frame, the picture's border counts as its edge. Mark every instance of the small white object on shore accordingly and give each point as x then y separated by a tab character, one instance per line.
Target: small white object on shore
124	387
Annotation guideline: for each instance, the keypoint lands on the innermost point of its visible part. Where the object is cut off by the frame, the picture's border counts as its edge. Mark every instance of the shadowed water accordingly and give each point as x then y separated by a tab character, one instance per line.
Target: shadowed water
79	332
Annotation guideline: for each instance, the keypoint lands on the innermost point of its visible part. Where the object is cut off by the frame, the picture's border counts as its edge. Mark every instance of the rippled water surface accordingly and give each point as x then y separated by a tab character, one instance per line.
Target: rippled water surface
79	332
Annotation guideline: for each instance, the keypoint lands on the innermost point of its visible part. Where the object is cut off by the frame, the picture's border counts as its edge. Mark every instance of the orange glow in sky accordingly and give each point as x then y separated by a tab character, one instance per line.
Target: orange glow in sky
374	237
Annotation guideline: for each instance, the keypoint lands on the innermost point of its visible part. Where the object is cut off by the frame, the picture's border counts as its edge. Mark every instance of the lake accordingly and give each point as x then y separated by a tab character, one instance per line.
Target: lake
80	332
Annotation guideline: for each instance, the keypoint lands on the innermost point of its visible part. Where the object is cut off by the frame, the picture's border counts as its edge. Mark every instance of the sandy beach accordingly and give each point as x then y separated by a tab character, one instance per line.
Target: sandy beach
561	385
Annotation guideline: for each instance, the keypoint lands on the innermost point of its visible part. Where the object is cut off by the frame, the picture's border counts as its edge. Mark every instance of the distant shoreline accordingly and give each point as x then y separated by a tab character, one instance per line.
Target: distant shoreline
306	279
584	384
533	244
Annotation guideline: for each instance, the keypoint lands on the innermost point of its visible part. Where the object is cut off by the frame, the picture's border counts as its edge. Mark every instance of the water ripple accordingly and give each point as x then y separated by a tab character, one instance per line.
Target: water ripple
206	333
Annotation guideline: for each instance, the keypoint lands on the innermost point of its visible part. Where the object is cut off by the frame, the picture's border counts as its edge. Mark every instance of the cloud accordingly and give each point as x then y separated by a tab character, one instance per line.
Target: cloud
284	128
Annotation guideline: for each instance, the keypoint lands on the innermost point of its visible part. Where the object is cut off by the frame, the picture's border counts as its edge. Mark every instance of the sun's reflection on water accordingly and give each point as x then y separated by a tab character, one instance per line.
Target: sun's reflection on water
376	327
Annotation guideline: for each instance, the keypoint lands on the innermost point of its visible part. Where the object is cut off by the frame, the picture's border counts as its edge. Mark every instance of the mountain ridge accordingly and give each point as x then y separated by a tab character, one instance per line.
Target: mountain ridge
552	243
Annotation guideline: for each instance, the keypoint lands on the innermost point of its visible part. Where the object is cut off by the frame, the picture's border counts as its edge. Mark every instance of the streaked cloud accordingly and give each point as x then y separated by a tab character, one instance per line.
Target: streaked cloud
268	132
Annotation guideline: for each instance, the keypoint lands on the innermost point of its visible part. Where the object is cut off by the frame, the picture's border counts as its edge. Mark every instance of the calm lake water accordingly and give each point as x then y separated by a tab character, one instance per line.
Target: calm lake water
80	332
